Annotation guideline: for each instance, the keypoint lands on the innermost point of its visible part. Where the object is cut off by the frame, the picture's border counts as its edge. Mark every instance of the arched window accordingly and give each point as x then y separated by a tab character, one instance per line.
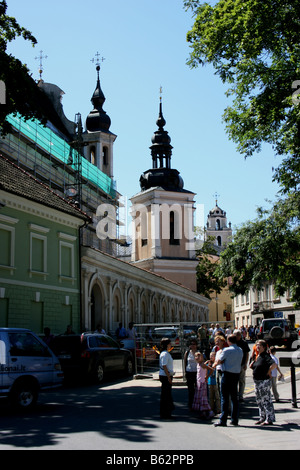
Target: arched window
105	156
219	241
173	229
93	155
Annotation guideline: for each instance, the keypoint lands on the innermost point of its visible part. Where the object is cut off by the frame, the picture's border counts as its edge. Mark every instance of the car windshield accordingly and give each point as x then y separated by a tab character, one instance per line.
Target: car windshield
101	342
268	325
165	333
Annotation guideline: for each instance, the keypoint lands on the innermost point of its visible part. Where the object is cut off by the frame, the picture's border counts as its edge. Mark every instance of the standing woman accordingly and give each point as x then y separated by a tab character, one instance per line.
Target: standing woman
262	369
190	367
166	373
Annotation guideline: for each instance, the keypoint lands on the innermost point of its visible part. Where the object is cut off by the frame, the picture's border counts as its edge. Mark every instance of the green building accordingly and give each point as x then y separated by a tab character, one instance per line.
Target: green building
39	254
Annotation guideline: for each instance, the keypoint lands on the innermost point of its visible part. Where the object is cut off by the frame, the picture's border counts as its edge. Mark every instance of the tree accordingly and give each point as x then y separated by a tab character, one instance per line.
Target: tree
254	48
267	249
22	94
207	280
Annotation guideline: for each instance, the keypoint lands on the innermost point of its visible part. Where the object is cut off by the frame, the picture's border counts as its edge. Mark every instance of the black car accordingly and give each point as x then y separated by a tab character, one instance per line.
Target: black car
91	355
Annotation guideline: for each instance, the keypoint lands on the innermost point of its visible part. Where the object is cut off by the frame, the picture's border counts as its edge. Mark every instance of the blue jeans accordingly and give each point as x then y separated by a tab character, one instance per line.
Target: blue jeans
229	389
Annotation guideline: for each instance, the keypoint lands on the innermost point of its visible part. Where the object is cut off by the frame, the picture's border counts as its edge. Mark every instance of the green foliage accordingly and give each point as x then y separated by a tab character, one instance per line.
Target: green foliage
207	281
267	249
22	93
254	47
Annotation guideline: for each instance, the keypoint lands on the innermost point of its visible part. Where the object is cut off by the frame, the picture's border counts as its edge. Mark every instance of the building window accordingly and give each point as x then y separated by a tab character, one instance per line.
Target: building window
7	242
174	229
93	159
105	156
38	250
66	257
219	241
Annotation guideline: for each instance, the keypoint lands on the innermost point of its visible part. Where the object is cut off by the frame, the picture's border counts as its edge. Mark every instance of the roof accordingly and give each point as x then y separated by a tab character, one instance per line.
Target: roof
15	180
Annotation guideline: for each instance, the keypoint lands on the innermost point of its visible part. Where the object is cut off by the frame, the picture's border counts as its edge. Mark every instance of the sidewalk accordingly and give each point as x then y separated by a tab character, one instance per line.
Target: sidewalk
285	432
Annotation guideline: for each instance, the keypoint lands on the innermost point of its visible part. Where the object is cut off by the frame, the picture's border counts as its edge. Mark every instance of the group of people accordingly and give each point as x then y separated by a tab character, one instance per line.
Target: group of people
216	383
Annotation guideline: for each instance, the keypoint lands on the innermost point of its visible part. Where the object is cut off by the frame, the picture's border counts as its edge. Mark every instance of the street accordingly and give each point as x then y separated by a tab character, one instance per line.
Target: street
123	415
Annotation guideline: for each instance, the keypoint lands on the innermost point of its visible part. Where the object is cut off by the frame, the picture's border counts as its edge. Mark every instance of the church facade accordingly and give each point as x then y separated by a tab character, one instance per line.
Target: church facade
77	165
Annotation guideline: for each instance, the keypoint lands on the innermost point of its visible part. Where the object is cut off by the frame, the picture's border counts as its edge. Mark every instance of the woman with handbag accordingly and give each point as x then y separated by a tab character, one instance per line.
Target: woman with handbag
262	370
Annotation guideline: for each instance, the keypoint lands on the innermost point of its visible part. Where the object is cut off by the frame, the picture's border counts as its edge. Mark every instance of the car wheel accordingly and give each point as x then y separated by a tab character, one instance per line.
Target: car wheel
276	332
24	395
99	373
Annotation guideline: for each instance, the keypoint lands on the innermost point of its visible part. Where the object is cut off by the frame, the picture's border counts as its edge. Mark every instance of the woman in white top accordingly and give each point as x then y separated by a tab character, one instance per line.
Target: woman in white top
166	373
190	366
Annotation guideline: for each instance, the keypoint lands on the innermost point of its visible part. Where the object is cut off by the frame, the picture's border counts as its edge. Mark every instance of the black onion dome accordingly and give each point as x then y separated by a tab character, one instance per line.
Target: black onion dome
161	174
97	119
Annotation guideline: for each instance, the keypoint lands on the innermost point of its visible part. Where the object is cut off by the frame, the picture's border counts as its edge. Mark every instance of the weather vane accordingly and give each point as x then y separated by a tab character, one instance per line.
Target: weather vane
97	60
160	92
41	57
216	195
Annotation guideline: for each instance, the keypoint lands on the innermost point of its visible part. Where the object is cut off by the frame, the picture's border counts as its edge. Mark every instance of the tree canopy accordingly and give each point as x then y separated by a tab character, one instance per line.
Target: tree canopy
208	282
254	47
22	93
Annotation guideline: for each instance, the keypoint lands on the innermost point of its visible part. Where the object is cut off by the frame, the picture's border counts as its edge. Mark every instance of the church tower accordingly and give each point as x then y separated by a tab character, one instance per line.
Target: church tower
217	227
98	139
163	216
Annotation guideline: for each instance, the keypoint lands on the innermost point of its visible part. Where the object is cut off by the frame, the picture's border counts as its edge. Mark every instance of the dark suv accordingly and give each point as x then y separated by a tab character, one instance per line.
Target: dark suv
91	355
277	332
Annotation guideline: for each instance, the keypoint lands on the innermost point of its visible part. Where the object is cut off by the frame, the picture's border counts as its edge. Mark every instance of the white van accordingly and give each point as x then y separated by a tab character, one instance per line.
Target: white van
27	365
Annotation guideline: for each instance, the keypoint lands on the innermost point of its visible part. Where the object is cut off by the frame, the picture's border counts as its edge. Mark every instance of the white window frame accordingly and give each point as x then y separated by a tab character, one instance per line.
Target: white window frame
66	241
33	235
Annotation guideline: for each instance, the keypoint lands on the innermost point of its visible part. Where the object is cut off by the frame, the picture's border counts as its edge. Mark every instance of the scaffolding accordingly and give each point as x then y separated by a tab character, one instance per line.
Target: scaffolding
44	152
46	140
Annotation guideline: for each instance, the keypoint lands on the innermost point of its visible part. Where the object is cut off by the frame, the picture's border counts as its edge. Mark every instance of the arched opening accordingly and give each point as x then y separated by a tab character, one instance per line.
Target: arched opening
97	308
105	156
93	159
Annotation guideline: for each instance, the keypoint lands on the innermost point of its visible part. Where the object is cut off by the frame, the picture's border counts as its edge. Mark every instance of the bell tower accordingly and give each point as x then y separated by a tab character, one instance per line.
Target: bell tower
217	226
98	139
163	216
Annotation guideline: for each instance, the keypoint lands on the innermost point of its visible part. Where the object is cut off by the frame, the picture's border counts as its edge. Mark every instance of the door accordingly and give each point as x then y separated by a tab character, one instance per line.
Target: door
28	356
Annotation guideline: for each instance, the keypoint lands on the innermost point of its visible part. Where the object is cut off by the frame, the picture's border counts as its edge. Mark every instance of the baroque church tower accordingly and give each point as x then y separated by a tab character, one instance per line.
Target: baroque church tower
163	217
217	227
98	139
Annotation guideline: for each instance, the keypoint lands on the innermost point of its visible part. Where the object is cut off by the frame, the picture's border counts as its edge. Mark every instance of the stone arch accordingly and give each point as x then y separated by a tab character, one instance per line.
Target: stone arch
155	310
144	312
97	300
181	316
164	311
116	305
131	305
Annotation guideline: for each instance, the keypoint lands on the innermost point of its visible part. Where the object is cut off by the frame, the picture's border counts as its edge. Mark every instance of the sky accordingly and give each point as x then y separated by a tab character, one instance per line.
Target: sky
143	44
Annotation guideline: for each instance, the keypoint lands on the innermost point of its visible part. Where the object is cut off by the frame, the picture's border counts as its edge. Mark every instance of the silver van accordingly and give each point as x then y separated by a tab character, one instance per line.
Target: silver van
27	365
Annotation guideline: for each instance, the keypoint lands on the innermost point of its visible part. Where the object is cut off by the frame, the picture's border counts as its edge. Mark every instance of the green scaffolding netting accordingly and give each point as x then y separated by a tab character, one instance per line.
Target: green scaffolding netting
50	142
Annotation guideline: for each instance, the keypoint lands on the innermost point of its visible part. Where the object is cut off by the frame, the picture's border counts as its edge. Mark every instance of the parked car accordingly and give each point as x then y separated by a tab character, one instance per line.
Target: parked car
91	355
277	332
167	332
27	365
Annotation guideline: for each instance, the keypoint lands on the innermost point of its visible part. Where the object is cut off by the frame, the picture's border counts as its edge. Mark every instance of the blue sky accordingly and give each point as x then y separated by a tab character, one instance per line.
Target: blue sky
144	46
